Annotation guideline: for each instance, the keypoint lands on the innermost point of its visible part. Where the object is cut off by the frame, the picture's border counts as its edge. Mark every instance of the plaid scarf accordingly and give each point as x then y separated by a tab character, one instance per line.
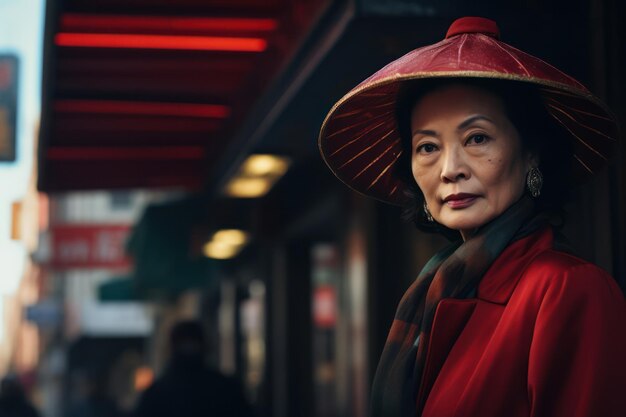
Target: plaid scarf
454	272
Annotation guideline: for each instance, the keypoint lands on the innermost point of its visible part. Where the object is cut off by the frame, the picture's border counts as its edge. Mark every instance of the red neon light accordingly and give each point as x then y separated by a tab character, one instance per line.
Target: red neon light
193	43
101	153
214	111
72	22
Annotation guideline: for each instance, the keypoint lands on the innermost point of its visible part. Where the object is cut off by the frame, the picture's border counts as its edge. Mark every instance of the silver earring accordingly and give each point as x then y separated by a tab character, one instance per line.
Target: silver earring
534	181
429	216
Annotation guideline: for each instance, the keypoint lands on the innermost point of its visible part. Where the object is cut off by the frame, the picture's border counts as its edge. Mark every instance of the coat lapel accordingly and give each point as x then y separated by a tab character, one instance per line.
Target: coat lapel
496	286
450	319
500	280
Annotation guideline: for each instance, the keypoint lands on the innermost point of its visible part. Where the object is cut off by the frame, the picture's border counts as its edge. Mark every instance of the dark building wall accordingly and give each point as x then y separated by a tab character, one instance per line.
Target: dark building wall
583	38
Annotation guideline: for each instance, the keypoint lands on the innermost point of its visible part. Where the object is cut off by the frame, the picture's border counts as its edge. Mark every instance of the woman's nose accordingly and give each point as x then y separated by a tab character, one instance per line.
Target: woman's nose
454	167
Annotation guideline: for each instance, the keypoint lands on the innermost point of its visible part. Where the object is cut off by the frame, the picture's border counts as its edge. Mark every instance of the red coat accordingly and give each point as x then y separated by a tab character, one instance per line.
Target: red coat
545	337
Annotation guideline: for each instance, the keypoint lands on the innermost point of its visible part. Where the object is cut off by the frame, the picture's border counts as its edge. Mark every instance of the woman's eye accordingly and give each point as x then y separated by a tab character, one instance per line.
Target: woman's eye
477	139
426	148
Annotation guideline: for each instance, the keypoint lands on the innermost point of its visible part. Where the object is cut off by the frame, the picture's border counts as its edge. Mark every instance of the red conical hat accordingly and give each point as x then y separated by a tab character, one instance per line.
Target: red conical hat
359	139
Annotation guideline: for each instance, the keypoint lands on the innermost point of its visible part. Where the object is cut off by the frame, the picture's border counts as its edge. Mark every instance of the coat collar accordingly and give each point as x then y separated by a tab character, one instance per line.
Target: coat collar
496	286
502	277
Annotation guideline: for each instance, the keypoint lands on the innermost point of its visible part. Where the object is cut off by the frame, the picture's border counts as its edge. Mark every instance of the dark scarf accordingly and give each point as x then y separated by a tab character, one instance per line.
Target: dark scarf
455	272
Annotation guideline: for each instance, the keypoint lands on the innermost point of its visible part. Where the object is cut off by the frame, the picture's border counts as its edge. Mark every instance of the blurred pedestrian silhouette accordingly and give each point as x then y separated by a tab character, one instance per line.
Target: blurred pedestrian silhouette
190	388
95	401
13	401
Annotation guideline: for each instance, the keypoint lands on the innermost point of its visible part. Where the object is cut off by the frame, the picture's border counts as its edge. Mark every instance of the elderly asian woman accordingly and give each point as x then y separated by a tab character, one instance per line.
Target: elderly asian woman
481	141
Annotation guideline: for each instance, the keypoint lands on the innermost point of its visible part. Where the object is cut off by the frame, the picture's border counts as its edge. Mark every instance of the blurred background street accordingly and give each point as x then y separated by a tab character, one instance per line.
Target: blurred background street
159	164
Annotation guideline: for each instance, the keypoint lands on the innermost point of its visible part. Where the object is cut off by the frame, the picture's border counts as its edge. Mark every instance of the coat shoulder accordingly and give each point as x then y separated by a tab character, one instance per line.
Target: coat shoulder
563	264
553	269
558	259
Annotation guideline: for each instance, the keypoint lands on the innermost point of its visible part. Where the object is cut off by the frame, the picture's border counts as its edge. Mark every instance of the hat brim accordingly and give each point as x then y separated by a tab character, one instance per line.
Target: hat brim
360	142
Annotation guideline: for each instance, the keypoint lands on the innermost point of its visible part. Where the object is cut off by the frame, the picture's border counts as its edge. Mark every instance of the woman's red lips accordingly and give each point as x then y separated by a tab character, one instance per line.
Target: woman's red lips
459	196
460	200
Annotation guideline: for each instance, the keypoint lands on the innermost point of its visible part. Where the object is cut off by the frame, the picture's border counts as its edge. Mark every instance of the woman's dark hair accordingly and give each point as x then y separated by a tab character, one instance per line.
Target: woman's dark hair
539	132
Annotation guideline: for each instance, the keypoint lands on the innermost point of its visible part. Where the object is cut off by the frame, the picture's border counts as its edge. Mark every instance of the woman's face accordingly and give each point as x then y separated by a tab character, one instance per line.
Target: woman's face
467	156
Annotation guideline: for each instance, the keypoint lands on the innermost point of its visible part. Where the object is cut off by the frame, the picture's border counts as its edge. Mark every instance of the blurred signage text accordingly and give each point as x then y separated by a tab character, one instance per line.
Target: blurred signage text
89	246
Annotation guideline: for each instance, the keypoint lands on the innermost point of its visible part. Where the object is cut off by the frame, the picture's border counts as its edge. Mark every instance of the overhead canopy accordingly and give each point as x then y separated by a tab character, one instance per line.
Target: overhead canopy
165	248
146	93
156	93
166	257
119	289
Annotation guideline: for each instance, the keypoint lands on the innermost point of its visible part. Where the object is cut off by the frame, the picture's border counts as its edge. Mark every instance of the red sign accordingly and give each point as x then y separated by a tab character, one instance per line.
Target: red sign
92	246
7	68
325	306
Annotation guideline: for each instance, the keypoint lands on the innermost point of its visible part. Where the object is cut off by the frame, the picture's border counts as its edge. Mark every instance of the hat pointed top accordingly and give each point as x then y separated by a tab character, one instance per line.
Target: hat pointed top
474	25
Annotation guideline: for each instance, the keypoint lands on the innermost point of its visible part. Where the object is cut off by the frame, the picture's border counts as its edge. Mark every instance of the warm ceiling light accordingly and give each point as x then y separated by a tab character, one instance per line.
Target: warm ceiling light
226	244
133	41
256	176
231	236
220	250
263	164
248	187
